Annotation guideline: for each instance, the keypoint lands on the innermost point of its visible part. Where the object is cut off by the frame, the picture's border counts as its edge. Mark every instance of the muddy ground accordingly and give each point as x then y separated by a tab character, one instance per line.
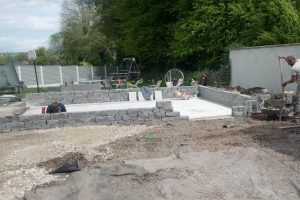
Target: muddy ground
26	157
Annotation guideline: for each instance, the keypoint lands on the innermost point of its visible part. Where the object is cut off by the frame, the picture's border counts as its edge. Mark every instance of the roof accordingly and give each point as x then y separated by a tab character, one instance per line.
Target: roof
266	46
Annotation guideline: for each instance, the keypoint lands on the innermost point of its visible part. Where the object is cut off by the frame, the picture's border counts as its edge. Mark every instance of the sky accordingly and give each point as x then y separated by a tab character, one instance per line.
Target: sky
28	24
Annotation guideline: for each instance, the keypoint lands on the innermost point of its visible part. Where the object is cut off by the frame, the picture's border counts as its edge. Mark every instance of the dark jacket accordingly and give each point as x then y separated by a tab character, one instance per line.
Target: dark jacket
51	109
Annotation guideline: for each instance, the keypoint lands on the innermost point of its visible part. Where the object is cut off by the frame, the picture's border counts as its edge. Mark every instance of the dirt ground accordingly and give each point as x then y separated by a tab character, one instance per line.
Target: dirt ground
11	108
27	157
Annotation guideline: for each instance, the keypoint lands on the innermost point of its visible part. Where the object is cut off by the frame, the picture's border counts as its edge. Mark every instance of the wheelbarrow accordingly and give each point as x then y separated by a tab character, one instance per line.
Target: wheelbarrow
274	107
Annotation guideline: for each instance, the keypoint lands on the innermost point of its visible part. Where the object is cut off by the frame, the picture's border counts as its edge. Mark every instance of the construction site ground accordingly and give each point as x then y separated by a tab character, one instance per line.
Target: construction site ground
250	159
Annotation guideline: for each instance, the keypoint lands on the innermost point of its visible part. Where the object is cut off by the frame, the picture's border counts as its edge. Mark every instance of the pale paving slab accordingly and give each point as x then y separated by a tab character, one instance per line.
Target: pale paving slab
195	108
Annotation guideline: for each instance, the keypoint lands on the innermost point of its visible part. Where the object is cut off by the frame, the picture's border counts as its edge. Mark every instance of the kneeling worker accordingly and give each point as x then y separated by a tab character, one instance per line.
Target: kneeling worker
56	107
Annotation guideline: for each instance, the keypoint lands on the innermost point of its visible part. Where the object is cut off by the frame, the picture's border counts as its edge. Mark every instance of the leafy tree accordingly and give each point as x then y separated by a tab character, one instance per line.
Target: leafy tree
144	28
41	56
15	57
214	26
190	32
79	39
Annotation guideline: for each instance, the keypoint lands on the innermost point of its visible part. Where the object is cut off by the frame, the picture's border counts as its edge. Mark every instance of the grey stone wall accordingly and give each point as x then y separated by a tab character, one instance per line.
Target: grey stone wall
223	97
80	87
96	96
163	112
242	105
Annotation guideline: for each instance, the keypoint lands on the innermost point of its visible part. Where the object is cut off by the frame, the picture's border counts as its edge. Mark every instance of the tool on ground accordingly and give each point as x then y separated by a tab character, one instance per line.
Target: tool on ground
228	126
289	127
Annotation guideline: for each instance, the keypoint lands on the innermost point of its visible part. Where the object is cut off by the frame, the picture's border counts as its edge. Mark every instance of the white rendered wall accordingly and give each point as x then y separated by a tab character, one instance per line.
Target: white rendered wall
259	67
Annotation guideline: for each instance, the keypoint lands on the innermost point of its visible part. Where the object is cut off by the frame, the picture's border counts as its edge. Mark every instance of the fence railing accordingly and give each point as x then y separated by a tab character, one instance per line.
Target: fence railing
53	75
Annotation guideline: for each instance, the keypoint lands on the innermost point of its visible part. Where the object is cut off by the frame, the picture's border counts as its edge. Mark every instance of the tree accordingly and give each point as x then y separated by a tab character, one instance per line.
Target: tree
143	27
81	40
15	57
155	32
214	26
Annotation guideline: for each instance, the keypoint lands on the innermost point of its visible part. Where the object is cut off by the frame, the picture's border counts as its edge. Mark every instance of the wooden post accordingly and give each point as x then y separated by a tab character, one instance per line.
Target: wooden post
281	76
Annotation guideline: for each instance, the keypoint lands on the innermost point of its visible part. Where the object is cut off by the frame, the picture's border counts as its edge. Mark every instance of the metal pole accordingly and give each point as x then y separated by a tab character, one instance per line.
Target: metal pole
36	78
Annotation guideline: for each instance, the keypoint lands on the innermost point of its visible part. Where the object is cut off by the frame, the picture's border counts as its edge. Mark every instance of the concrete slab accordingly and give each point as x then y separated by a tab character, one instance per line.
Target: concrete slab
197	108
194	108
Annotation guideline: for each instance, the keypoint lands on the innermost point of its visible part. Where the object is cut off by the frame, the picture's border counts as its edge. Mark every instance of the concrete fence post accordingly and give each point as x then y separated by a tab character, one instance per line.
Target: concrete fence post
77	73
105	72
61	76
42	76
19	73
92	71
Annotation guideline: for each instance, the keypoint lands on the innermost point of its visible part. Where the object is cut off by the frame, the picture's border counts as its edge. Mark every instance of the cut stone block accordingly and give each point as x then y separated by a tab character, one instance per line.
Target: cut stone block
158	95
173	114
163	104
141	97
4	120
132	96
105	119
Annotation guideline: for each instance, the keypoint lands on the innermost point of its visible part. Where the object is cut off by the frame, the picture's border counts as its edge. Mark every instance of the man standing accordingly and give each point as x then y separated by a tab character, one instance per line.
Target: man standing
295	69
203	80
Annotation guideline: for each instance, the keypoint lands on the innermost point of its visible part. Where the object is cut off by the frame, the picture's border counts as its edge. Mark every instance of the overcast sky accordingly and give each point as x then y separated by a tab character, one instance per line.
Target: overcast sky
27	24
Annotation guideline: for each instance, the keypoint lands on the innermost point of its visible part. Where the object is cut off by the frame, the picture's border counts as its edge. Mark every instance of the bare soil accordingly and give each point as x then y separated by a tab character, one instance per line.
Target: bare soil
11	108
27	157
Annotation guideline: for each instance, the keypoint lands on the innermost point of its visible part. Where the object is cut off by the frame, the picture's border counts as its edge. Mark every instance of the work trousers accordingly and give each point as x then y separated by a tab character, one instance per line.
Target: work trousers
297	100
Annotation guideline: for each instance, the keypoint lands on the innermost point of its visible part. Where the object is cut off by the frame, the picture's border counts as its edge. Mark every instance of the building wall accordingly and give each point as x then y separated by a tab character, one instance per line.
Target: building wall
259	66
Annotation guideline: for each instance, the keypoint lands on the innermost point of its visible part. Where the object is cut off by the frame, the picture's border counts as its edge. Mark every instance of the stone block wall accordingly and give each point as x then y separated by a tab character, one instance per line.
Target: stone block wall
80	87
242	105
97	96
163	112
